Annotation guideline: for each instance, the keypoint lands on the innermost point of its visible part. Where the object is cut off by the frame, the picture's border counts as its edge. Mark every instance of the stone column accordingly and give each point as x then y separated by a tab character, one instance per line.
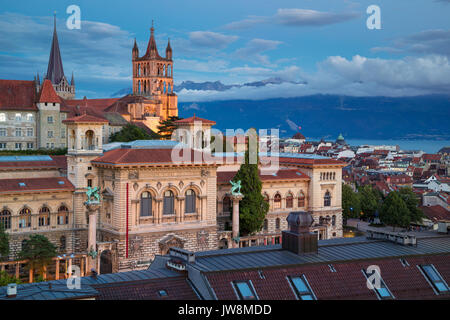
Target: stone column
236	198
92	234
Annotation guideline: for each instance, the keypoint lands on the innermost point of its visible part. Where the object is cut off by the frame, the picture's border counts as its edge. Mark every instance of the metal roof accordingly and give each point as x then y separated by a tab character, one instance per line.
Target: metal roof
345	249
25	158
59	290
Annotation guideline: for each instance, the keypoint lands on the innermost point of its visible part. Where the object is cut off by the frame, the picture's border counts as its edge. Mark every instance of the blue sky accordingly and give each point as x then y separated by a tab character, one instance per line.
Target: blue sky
319	46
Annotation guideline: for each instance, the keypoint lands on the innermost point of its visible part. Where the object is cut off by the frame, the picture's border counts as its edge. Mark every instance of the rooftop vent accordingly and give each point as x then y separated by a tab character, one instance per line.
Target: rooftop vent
11	290
298	239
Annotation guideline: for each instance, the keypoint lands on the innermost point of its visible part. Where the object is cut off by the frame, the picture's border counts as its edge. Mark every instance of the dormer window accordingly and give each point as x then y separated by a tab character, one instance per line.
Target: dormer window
245	290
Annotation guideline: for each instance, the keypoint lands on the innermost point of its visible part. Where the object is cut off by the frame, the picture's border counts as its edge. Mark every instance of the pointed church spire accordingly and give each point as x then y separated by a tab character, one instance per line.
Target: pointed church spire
38	80
55	71
152	50
72	81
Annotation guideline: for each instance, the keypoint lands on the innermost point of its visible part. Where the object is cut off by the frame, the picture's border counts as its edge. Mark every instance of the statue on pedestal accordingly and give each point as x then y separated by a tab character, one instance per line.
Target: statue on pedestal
236	188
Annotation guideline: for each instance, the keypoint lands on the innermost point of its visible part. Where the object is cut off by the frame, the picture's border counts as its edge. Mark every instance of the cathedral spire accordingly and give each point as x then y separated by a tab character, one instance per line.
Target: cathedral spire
72	82
152	50
55	71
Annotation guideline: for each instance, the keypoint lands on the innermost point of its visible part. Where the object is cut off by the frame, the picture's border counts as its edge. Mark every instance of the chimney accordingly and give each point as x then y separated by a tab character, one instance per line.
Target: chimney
11	290
298	239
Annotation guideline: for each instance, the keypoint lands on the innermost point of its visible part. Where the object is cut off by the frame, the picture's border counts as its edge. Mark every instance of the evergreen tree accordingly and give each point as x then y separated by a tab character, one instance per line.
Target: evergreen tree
394	211
166	127
252	208
131	132
412	202
4	243
39	251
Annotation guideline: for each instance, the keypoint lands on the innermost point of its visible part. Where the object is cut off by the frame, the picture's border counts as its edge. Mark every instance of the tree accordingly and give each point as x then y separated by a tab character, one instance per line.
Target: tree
131	132
351	202
6	279
166	127
394	211
369	201
412	202
39	251
252	208
4	243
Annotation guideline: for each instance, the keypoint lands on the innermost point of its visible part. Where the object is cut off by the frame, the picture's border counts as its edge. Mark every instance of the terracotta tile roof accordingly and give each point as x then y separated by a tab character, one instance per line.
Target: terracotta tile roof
121	105
194	119
48	93
35	184
61	161
431	156
177	288
436	213
281	175
309	161
85	118
348	282
152	156
17	95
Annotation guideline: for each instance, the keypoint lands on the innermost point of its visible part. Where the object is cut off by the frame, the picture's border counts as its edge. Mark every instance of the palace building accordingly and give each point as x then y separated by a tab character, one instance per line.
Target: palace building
151	198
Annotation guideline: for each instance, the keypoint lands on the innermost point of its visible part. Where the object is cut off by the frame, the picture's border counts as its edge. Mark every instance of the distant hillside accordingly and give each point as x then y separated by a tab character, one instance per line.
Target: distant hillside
422	117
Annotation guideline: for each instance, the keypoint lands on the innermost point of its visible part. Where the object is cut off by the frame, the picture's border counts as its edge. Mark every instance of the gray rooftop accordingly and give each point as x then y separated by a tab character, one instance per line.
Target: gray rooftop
334	250
59	290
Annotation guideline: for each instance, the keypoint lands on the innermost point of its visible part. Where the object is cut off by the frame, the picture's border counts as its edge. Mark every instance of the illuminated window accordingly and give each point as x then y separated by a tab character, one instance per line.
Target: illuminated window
301	288
435	278
245	290
25	218
44	216
63	215
2	117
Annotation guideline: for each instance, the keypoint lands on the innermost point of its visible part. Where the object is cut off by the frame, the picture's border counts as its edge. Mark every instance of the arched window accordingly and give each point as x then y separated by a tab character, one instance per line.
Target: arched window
277	223
190	201
289	200
89	140
62	244
277	201
2	117
327	199
29	117
266	225
44	216
146	204
301	200
266	198
168	206
5	218
63	215
25	218
321	220
333	220
226	203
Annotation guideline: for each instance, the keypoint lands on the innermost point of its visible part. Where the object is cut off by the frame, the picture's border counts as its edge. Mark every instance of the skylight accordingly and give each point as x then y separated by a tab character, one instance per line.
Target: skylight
60	182
383	291
301	288
435	278
22	184
245	290
162	293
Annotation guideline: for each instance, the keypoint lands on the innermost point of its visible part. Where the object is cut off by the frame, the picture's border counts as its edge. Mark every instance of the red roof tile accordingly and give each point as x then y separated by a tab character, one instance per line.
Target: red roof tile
283	174
147	157
84	118
48	93
436	213
195	119
177	288
35	184
17	95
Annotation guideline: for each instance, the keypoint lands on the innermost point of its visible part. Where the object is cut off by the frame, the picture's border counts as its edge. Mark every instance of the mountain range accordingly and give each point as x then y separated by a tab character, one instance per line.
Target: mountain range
419	117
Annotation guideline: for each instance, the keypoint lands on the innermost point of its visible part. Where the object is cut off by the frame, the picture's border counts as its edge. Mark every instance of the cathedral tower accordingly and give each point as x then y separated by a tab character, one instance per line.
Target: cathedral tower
152	74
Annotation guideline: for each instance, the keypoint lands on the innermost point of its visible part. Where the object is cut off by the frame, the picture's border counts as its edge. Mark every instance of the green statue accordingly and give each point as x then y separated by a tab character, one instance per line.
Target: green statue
235	188
93	193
